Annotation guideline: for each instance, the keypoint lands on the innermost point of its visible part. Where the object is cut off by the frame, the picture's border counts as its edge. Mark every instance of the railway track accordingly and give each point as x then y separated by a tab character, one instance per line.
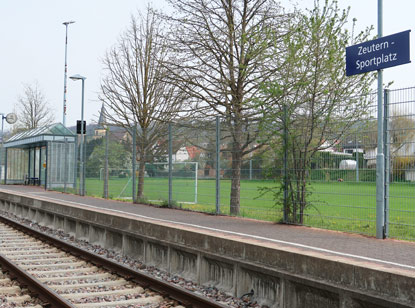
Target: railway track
66	276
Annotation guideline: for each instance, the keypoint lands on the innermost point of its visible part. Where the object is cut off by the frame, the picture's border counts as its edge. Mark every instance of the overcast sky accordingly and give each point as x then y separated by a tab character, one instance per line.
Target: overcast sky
32	45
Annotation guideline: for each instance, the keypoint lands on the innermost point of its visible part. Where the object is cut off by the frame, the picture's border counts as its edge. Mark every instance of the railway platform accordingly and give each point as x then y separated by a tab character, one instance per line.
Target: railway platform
388	252
291	266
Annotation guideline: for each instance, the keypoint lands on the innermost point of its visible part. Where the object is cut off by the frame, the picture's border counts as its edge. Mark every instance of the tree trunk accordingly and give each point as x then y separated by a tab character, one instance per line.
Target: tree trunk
303	195
297	192
141	171
304	173
236	182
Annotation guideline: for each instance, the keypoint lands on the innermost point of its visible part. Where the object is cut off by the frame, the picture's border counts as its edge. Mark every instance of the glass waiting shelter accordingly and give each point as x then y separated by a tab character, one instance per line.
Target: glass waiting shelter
42	156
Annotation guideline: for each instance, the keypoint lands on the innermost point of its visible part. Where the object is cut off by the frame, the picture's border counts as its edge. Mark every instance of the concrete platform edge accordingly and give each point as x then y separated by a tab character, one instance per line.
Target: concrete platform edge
280	277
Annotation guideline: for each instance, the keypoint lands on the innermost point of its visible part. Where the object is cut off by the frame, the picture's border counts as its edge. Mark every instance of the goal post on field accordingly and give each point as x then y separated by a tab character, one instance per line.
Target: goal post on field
181	170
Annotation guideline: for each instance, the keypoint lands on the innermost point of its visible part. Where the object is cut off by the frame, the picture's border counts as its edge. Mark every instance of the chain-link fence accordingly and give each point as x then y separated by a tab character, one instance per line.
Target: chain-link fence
400	163
332	177
206	165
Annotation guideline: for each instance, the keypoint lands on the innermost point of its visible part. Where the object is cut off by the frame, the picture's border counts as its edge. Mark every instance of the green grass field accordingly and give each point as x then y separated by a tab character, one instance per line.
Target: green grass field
344	206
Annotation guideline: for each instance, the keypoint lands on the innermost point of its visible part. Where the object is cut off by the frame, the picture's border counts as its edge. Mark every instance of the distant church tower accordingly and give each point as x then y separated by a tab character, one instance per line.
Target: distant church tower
100	129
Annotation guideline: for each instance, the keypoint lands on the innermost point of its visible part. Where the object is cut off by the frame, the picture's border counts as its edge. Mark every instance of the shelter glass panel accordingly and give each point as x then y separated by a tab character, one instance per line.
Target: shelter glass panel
61	157
31	165
17	165
36	162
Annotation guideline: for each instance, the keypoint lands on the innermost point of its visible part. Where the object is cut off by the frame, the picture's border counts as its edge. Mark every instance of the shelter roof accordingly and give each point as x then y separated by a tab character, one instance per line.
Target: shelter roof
52	132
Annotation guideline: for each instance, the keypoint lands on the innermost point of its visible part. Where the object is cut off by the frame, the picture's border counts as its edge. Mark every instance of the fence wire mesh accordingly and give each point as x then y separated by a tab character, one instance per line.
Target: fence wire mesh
334	188
194	166
340	176
400	132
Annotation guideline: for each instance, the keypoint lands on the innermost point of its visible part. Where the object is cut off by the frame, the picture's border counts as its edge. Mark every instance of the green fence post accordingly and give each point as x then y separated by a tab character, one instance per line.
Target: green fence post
285	162
386	149
106	172
134	159
217	165
170	167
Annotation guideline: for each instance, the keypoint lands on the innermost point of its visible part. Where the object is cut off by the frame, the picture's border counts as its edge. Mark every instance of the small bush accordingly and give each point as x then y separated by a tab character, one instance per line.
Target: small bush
165	203
143	200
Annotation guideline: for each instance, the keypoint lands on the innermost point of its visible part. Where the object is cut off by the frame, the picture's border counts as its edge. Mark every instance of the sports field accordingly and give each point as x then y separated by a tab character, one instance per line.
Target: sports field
346	206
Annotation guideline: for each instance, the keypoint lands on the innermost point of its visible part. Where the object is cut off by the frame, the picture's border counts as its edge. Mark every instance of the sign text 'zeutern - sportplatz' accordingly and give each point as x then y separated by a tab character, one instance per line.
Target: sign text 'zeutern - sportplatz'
378	54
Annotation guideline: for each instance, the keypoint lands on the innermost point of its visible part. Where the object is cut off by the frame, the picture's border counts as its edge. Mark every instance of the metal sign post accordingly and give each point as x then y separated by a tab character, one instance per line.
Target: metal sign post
375	55
380	159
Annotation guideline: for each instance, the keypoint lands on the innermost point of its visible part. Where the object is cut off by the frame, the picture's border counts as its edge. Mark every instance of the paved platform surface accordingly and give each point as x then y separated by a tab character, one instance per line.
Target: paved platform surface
386	253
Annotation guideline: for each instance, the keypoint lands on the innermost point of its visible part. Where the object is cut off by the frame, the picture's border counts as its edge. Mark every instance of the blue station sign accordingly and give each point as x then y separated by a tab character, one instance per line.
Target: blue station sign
378	54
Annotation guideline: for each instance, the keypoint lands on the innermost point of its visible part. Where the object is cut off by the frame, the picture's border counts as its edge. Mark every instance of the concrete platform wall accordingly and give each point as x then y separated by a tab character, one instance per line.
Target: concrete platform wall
280	277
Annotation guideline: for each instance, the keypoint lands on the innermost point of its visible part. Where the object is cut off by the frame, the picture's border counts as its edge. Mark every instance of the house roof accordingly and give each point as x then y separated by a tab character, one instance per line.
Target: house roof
193	151
52	132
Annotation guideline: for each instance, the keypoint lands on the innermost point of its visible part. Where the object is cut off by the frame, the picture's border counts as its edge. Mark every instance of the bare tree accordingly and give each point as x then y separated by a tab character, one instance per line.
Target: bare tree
223	49
134	90
32	108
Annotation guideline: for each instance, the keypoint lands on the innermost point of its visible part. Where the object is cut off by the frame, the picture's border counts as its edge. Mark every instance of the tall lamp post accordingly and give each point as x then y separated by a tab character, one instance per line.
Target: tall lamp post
82	152
66	24
11	118
2	146
2	126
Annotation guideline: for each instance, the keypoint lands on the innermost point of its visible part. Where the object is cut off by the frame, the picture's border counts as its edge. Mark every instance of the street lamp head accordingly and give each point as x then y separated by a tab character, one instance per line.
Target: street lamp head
77	77
67	23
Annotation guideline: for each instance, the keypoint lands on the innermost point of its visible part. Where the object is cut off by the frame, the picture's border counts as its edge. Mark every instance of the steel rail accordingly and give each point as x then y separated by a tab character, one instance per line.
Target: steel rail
186	298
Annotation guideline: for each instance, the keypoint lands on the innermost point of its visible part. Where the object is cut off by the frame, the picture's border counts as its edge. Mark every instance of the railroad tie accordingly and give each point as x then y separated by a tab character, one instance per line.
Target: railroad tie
138	301
118	282
57	279
45	260
71	296
4	281
35	256
27	252
18	299
91	269
46	267
10	290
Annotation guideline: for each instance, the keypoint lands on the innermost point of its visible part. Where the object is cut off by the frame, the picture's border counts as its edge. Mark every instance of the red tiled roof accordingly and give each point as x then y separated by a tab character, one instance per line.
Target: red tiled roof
193	151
